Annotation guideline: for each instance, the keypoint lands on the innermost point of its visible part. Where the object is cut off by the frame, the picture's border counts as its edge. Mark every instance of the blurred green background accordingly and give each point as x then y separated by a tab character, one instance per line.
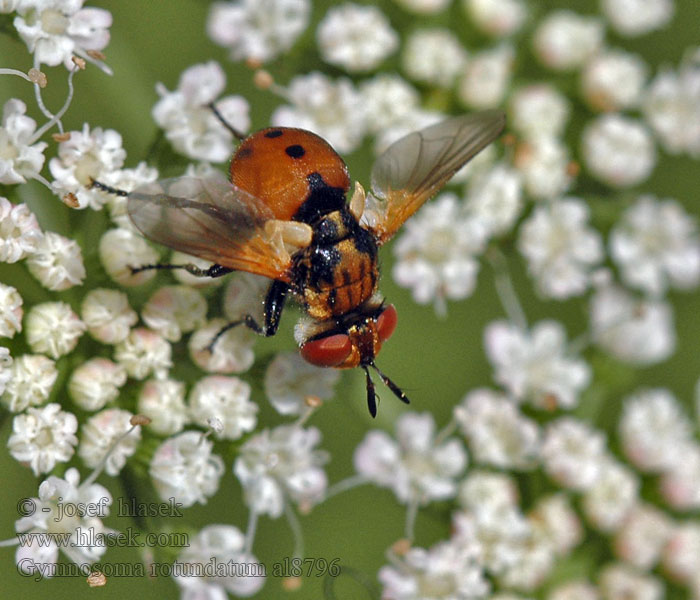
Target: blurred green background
435	360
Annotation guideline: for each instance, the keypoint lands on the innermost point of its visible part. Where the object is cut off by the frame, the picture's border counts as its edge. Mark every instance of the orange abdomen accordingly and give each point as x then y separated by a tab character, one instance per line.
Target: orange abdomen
275	164
351	281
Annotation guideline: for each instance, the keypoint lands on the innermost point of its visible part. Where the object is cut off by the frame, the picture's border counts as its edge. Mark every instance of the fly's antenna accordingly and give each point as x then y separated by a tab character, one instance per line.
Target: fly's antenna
371	394
398	392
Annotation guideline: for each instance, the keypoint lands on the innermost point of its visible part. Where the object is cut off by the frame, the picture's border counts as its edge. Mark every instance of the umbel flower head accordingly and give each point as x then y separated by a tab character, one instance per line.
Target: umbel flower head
50	517
546	298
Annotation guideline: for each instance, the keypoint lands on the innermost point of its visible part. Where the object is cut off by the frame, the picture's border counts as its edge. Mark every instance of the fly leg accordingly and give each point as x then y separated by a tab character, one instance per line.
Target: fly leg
237	134
274	303
215	270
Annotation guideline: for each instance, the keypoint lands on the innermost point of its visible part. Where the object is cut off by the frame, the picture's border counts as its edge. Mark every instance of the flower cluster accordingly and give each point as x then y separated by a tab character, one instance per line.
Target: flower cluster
559	458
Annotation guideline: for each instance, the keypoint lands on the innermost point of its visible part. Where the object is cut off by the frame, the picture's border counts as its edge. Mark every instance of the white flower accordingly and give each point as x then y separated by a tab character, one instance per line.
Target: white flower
539	110
534	561
497	17
424	7
53	328
637	17
618	150
19	231
495	198
497	433
281	464
31	379
5	370
573	453
636	331
654	430
122	248
613	79
449	570
163	401
671	106
183	467
144	352
610	498
486	77
20	157
227	399
657	245
8	6
484	491
85	156
10	311
41	437
50	516
190	125
510	547
565	40
434	57
388	99
224	544
108	315
95	383
619	581
534	366
544	163
499	534
436	253
680	483
56	30
100	432
57	262
682	553
331	109
32	553
290	381
232	353
560	247
355	37
173	310
574	590
258	29
556	519
412	466
642	536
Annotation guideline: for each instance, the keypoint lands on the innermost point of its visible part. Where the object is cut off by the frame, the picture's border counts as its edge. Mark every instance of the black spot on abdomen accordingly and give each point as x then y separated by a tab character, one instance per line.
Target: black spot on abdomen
295	151
274	133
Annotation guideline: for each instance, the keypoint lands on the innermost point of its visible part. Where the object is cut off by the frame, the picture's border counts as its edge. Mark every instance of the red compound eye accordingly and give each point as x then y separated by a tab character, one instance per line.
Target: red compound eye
386	323
328	351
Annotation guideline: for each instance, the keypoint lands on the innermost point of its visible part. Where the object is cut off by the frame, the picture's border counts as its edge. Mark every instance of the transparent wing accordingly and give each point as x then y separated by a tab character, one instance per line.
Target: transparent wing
415	167
212	219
